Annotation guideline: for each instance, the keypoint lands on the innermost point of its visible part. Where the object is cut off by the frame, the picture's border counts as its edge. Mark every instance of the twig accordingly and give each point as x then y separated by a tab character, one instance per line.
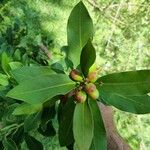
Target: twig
113	25
45	50
102	10
114	140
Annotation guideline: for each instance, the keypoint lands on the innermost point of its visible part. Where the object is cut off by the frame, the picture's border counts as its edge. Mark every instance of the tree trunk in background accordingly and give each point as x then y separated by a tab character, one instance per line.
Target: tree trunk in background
115	141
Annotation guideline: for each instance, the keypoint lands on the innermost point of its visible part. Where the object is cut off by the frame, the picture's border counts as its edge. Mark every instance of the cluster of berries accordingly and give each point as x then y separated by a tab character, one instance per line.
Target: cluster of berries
86	86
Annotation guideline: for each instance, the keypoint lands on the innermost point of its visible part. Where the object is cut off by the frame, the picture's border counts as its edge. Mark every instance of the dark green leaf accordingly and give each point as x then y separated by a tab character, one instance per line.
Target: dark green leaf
32	122
47	130
41	89
83	126
48	113
99	140
58	68
88	57
32	143
69	63
1	146
28	72
66	123
9	144
125	83
79	31
18	136
139	104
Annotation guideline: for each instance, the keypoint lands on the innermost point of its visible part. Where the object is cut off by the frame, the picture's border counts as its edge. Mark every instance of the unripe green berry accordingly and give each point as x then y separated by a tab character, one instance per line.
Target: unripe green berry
92	91
93	76
90	87
94	95
76	76
80	96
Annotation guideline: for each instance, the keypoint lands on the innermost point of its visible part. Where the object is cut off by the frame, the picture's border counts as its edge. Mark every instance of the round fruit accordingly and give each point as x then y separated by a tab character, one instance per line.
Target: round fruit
76	76
80	96
90	87
94	95
93	73
93	76
92	91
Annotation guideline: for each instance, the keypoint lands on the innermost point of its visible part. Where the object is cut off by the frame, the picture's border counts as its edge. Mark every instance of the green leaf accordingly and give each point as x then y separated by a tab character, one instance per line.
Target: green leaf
66	123
1	145
125	83
79	31
17	55
18	136
32	122
3	80
48	112
28	72
41	89
58	68
32	143
26	108
48	130
83	126
5	63
88	57
15	65
99	140
139	104
9	144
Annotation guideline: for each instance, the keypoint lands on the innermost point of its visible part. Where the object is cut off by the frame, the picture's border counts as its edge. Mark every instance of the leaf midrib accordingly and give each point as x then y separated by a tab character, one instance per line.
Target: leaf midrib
80	24
132	100
42	89
124	83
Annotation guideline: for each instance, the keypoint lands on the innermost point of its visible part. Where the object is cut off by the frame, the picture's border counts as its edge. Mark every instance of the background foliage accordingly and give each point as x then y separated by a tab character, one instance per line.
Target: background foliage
121	39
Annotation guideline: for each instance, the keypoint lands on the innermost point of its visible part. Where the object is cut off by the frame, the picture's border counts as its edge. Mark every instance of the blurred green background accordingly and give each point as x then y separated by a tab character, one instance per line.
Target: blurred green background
122	42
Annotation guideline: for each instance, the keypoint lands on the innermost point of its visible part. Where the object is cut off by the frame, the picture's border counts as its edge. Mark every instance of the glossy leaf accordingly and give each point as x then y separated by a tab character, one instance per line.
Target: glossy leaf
32	143
28	72
139	104
26	108
83	126
66	123
88	57
41	89
125	83
99	140
79	31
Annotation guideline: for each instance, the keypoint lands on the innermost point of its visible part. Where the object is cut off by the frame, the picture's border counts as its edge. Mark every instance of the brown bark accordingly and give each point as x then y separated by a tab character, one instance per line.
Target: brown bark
115	141
45	50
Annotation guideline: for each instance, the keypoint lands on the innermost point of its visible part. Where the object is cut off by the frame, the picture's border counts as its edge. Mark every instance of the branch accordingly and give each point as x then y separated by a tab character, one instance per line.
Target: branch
114	140
102	10
45	50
